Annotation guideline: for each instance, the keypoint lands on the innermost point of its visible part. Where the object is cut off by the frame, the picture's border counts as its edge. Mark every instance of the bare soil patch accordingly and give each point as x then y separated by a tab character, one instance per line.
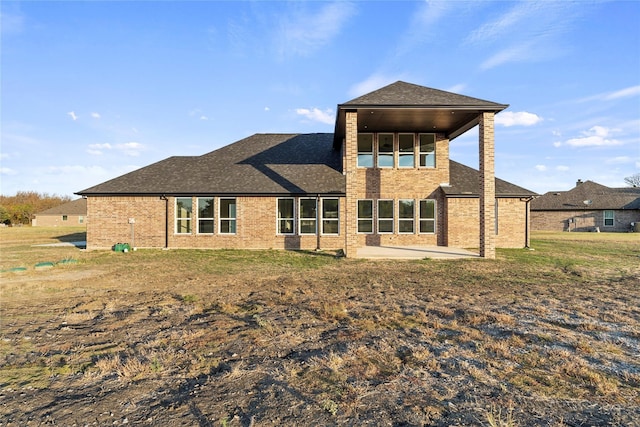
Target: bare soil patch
239	338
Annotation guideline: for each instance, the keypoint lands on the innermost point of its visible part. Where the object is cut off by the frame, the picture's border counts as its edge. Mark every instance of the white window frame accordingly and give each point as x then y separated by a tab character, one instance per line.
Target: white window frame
187	220
369	220
301	218
427	153
612	218
369	154
386	154
427	220
207	219
402	154
279	219
405	220
326	220
231	219
392	220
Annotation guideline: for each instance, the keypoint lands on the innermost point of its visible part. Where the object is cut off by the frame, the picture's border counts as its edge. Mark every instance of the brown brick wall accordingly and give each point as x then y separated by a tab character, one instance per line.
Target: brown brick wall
57	221
255	216
583	220
463	227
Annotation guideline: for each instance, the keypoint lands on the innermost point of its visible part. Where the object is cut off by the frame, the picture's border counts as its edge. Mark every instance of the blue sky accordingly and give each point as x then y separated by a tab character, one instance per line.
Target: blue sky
92	90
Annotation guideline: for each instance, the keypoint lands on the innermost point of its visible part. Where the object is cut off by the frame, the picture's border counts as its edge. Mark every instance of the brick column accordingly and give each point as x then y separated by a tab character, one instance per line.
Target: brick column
487	187
349	168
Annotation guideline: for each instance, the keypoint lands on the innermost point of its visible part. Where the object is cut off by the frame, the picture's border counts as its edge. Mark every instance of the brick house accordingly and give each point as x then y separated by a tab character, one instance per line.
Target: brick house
73	213
587	207
384	177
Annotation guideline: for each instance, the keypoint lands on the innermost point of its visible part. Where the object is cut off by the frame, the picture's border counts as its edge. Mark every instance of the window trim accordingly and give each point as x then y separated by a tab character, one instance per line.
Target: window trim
279	218
367	153
187	219
199	218
407	153
386	155
403	220
232	219
359	218
301	218
392	219
426	153
324	219
422	220
612	219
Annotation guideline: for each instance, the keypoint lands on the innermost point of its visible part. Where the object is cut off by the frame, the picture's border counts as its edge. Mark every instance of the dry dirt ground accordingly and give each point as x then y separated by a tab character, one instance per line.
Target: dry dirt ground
233	338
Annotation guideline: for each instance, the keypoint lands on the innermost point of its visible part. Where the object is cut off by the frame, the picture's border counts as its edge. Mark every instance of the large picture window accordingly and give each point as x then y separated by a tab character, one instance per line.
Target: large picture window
308	217
385	216
205	215
609	219
406	216
405	150
330	216
365	216
427	216
427	150
227	216
286	218
365	150
184	206
385	150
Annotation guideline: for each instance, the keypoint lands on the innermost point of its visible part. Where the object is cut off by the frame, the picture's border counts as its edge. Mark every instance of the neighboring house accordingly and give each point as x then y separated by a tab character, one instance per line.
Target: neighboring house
72	213
383	178
588	206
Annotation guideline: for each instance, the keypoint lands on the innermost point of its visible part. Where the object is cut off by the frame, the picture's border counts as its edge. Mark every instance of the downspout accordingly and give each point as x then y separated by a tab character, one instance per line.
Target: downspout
526	220
318	207
166	220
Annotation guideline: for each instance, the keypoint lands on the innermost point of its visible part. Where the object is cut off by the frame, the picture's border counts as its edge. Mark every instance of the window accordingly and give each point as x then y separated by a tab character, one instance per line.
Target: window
405	150
286	219
205	215
427	150
385	216
64	217
365	150
385	150
308	216
227	216
330	216
608	219
427	216
80	219
365	216
183	215
406	216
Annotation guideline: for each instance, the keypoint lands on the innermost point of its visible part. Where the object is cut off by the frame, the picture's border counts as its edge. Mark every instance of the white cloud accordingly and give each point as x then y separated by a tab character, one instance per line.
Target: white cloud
459	88
557	144
520	118
95	115
204	118
132	149
73	115
620	160
597	136
267	109
562	168
541	168
373	82
8	171
304	33
624	93
317	115
98	149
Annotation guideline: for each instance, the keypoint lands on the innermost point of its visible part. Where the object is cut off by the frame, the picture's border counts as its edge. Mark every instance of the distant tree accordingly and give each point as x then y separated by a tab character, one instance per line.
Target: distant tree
633	180
21	208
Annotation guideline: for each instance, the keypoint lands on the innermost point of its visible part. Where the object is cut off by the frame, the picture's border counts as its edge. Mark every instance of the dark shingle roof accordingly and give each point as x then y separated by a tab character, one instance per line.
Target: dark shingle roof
407	94
465	181
599	196
75	207
259	164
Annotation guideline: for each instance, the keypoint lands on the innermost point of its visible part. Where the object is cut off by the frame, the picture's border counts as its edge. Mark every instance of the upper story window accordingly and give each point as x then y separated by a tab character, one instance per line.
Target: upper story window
385	150
365	150
427	150
406	150
183	215
205	215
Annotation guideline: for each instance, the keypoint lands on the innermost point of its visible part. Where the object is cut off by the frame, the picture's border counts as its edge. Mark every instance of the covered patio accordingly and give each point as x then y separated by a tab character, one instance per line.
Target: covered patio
414	252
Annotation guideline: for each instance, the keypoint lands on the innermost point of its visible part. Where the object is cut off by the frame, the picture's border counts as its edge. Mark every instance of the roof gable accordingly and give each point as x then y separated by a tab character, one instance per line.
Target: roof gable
74	207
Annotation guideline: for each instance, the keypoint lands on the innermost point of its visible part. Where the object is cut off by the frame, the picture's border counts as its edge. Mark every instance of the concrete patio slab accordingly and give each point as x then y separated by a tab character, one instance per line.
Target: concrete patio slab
414	252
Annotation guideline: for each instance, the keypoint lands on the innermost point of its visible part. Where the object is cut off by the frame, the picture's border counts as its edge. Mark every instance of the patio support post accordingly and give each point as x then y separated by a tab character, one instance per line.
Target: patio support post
350	160
487	186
